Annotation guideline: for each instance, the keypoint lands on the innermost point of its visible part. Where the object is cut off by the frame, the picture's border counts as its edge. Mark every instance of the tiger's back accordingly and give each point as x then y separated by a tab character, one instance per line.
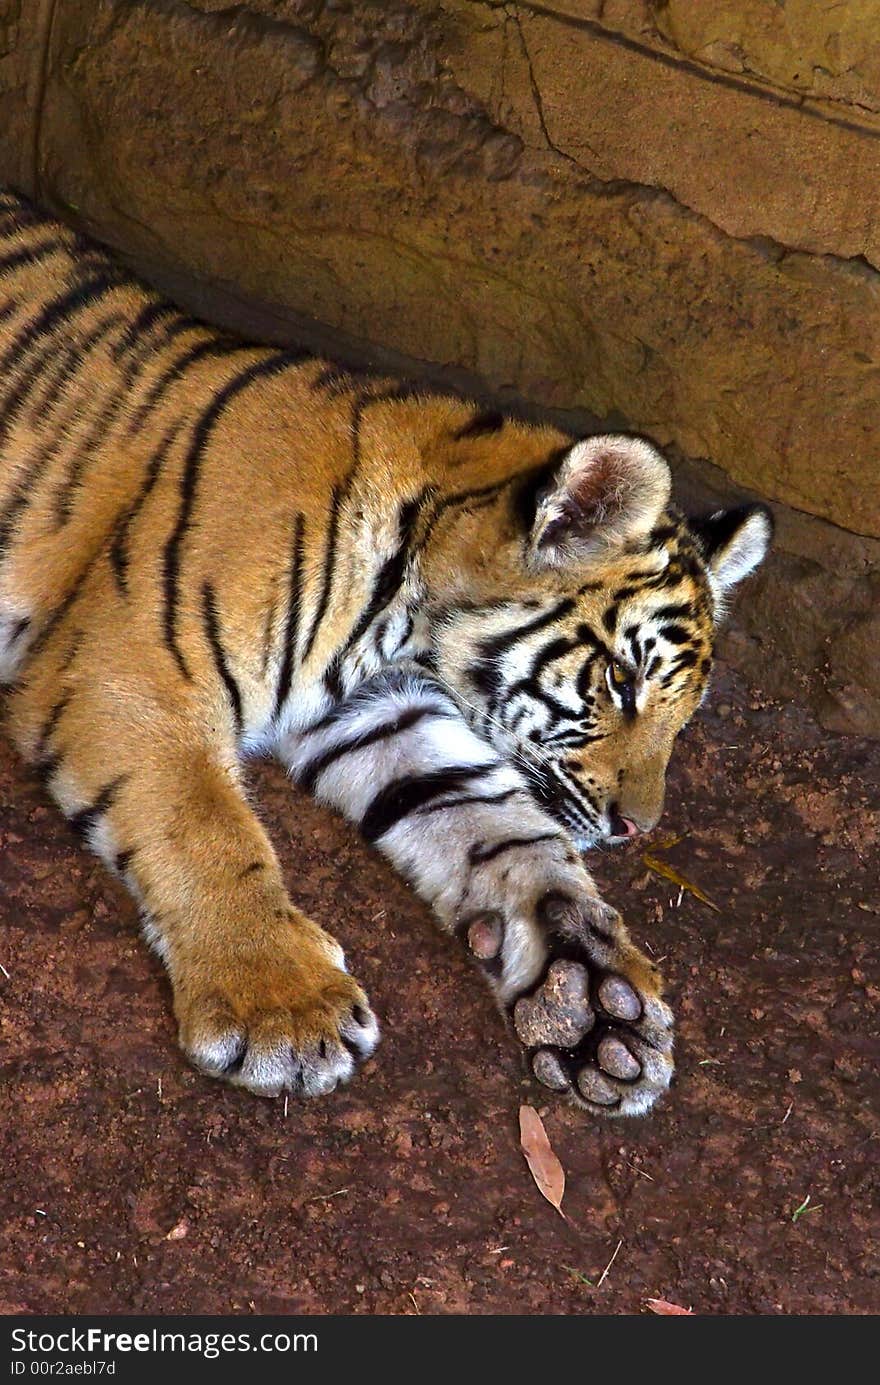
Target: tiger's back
137	440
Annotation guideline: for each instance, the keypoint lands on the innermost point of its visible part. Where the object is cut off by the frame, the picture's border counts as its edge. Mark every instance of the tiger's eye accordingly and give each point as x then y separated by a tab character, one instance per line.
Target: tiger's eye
619	675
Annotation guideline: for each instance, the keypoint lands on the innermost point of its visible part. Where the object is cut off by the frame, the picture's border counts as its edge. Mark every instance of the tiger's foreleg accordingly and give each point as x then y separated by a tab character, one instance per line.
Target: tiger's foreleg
462	827
261	993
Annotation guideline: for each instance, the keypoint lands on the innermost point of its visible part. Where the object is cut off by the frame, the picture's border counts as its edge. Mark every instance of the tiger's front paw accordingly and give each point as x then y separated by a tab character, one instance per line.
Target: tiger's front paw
584	1001
275	1018
594	1024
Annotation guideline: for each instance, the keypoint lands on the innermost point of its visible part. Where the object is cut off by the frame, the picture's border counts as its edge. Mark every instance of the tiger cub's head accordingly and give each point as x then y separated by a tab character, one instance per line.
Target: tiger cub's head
582	641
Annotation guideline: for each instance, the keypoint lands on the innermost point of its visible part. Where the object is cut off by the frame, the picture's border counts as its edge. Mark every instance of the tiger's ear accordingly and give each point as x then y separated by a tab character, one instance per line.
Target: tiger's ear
607	491
734	542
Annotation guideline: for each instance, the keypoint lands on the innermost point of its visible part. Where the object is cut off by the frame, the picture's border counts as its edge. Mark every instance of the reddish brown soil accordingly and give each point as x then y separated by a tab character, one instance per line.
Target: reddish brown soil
131	1184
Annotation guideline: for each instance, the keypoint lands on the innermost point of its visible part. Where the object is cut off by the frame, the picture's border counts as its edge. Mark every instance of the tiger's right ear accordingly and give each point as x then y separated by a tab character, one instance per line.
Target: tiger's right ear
607	491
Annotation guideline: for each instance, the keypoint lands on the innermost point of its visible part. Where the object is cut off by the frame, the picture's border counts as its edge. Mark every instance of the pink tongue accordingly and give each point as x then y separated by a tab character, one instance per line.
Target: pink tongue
631	829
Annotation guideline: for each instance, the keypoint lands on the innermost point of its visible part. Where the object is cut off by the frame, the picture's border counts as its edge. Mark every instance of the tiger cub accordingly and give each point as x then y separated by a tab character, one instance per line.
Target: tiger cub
475	638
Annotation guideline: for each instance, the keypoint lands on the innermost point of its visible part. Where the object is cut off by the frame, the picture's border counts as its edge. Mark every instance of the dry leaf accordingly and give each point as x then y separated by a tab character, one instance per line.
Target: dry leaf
545	1168
668	1310
676	878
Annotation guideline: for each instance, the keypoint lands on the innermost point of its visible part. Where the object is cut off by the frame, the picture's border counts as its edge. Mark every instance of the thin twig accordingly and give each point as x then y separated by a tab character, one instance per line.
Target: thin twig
601	1280
636	1169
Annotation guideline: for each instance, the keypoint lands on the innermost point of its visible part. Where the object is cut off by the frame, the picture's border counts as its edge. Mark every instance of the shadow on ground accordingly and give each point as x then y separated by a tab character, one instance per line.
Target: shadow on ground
132	1185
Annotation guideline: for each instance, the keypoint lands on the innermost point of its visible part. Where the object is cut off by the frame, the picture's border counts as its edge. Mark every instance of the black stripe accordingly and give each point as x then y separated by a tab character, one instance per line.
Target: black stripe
498	644
400	392
63	608
479	854
17	630
291	624
587	635
662	534
71	360
485	673
458	501
583	682
266	366
123	860
44	754
212	630
84	452
675	634
673	612
20	496
336	380
556	649
557	711
609	618
552	792
332	679
327	573
390	577
119	557
466	799
53	314
314	768
46	768
251	869
155	311
686	659
86	449
482	423
404	796
87	818
214	346
30	254
59	310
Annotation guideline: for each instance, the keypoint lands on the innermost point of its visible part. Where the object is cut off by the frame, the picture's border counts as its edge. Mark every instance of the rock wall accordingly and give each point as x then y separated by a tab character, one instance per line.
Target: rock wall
659	213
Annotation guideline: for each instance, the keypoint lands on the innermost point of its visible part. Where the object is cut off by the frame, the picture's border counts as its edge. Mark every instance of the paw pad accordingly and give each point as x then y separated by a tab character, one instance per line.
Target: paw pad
559	1012
596	1088
619	999
485	935
616	1059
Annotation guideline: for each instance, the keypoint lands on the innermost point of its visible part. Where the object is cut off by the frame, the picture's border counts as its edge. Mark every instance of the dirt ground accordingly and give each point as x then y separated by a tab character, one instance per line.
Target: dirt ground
130	1184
